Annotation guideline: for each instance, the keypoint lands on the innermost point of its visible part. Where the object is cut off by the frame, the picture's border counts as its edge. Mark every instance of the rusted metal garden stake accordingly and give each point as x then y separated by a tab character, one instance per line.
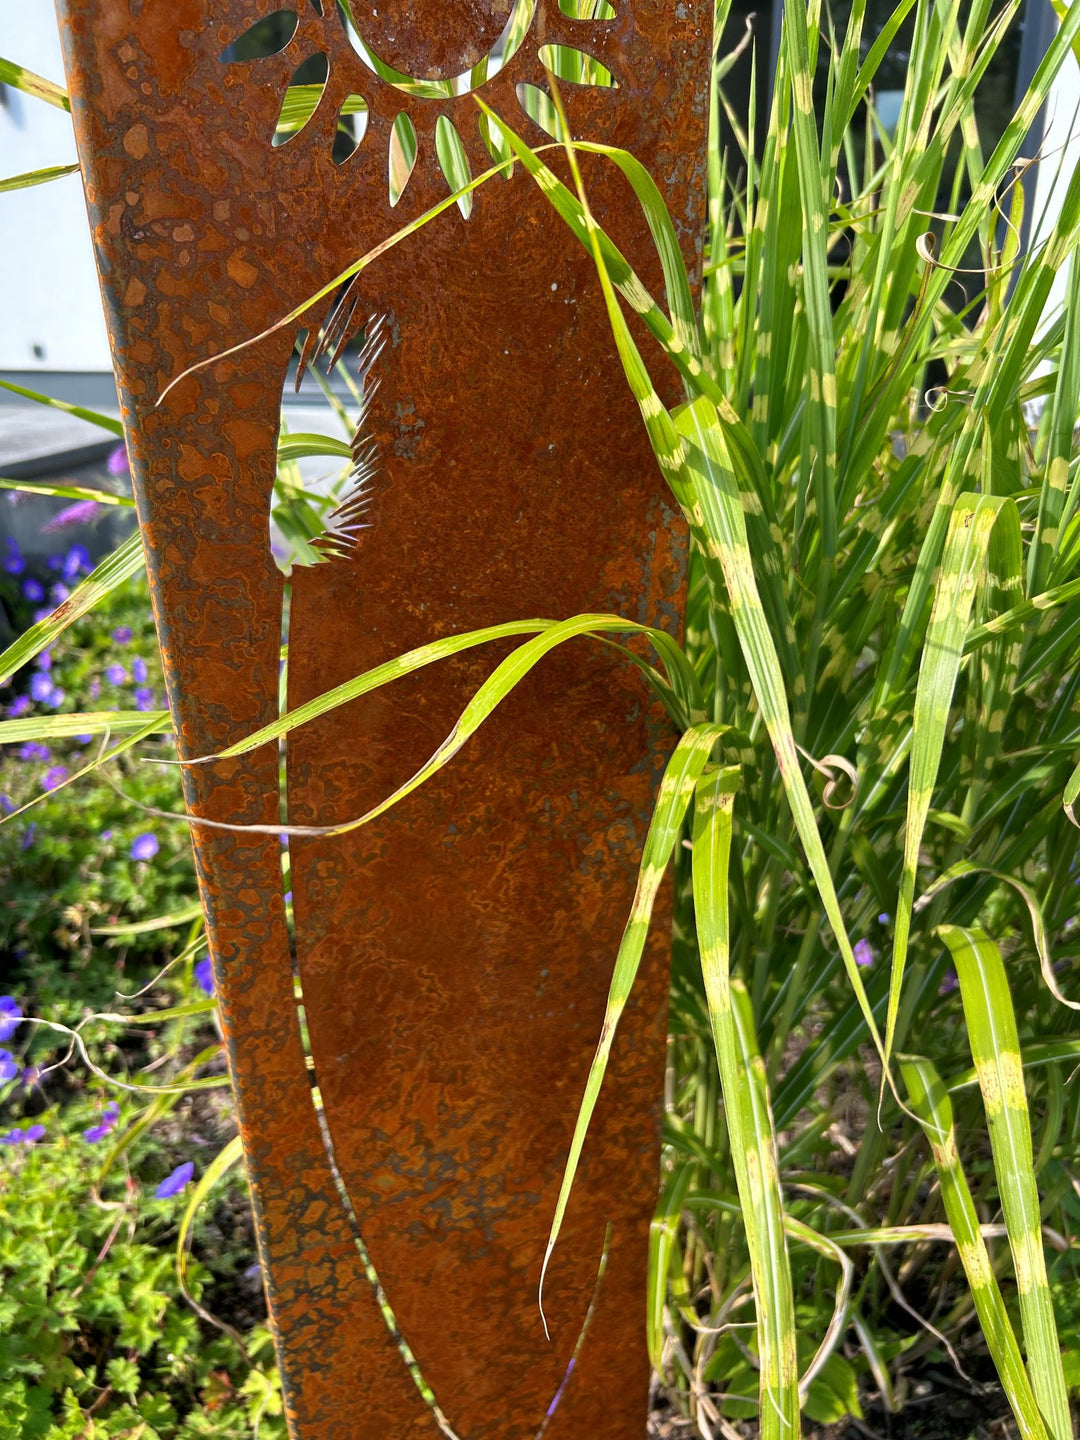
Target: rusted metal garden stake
454	955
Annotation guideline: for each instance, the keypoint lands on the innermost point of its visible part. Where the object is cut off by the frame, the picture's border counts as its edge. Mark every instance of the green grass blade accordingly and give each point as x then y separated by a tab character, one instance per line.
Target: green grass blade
930	1103
25	80
995	1049
37	177
672	802
127	560
746	1107
964	563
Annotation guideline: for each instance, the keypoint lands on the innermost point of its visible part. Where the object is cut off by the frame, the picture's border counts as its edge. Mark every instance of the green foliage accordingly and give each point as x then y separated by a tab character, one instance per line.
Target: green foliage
94	1338
66	866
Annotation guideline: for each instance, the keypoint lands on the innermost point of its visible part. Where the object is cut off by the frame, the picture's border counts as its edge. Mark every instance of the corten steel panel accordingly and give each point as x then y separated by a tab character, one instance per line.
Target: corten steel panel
455	954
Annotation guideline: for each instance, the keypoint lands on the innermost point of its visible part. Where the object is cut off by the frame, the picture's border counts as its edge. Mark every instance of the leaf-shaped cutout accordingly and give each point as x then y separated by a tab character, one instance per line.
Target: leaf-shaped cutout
575	67
497	145
539	106
453	161
587	9
402	157
316	5
351	128
268	36
302	97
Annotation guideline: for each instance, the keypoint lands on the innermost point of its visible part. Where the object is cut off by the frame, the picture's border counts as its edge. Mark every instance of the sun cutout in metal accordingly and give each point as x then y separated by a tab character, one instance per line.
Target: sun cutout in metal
270	35
453	955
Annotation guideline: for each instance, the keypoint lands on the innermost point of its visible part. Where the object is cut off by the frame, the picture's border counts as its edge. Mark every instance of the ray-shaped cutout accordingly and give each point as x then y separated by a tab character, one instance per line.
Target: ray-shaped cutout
497	146
575	67
351	128
453	161
587	9
539	106
302	97
402	158
266	37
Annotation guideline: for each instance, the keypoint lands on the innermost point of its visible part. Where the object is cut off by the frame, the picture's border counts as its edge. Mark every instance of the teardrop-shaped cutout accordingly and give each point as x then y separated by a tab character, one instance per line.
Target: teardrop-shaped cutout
539	106
351	128
587	9
316	5
453	161
402	156
302	97
498	147
268	36
575	67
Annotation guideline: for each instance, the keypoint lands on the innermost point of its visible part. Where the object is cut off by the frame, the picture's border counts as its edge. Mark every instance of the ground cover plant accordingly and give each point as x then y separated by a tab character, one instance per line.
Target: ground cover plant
869	1182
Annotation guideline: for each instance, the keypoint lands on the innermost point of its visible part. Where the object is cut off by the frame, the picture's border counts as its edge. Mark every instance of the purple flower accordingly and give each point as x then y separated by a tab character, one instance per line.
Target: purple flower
55	562
78	557
84	739
106	834
32	750
144	698
33	1134
19	706
115	673
55	698
864	954
28	836
59	593
178	1181
95	687
138	670
204	975
109	1116
144	846
7	805
81	513
883	919
44	660
54	777
117	463
33	590
42	614
8	1067
13	561
41	686
949	983
122	634
10	1015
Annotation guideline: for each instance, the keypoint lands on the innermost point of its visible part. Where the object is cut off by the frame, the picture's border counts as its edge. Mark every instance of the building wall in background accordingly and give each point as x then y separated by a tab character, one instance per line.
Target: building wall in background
52	306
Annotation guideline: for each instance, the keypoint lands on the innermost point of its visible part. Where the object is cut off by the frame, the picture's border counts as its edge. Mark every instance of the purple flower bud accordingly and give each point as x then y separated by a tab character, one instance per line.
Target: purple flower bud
144	698
32	750
117	463
13	561
864	954
19	706
10	1015
84	739
41	686
59	593
29	835
106	834
44	660
7	805
109	1117
884	919
81	513
178	1181
33	590
115	674
138	670
54	777
144	846
122	634
204	975
948	984
95	687
8	1066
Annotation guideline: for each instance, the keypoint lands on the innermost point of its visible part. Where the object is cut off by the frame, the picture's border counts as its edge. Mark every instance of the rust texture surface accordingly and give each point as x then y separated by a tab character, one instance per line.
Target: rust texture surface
455	954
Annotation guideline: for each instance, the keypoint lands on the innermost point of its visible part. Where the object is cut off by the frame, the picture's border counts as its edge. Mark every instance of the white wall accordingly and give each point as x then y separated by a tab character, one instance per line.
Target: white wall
1061	149
50	290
